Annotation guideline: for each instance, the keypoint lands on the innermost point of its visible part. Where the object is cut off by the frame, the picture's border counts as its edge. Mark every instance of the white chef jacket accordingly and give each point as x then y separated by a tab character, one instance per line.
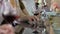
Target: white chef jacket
6	9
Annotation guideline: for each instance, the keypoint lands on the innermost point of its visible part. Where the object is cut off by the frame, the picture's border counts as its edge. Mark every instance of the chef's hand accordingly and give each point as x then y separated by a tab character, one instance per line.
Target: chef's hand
28	20
33	19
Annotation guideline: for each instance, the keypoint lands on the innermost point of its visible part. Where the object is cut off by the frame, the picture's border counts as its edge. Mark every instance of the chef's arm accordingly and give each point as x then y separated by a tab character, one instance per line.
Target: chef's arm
23	8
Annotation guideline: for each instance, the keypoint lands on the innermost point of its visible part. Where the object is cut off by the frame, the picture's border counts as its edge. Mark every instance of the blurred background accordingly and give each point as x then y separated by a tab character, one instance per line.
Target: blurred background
29	16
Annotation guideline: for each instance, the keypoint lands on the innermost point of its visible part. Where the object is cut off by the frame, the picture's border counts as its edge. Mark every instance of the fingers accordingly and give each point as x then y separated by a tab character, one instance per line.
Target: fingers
34	18
37	19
